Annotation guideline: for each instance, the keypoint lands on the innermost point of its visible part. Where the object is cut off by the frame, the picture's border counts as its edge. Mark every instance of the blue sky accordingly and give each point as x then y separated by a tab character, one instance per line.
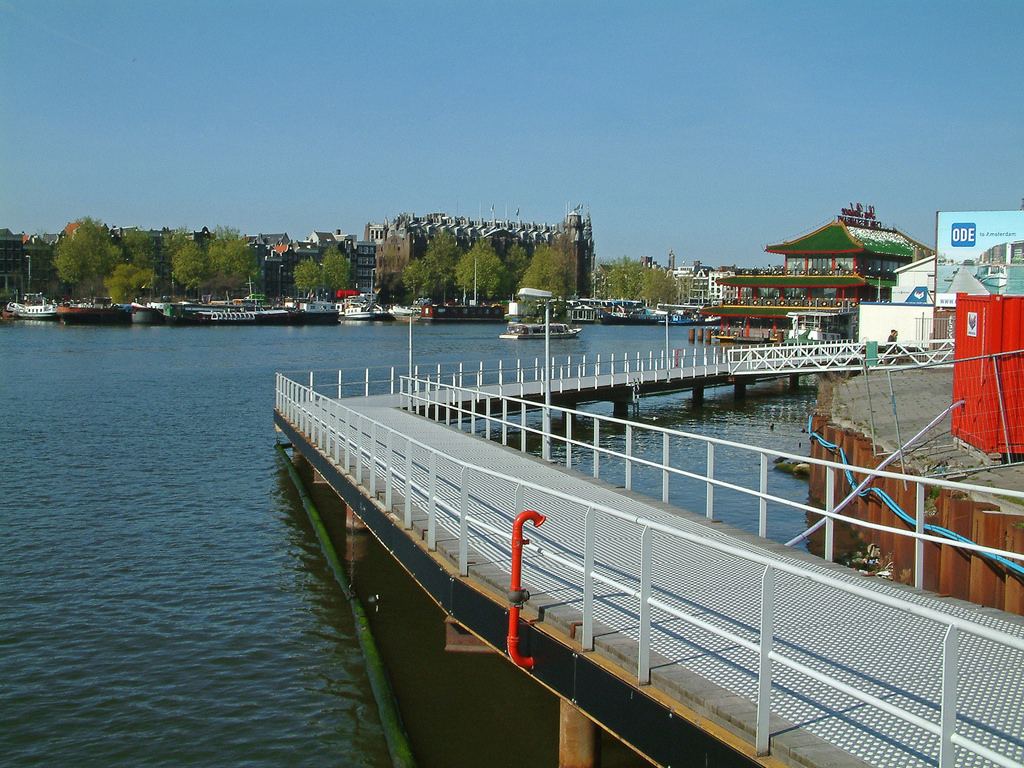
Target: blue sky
712	129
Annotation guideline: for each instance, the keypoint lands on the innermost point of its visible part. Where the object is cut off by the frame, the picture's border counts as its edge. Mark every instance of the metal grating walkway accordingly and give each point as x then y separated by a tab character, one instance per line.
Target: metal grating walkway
886	652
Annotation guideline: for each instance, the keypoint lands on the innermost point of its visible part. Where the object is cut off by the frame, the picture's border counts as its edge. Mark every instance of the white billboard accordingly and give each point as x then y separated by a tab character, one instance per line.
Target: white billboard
982	237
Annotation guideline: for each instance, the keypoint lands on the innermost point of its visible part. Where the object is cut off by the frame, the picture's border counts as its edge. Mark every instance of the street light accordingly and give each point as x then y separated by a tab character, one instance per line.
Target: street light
538	295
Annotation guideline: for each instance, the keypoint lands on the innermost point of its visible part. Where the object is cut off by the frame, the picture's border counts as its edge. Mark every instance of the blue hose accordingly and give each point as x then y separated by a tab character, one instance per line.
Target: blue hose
883	497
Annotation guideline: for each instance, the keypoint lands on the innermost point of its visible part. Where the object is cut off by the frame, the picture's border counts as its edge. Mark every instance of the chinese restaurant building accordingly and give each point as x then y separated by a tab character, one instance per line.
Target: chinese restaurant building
839	265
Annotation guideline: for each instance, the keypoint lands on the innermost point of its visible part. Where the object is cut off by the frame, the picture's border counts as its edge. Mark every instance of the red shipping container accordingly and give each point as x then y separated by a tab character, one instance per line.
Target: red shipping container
989	381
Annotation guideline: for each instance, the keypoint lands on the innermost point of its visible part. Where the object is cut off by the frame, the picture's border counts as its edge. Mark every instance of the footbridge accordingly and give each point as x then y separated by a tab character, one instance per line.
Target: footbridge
623	378
674	632
782	359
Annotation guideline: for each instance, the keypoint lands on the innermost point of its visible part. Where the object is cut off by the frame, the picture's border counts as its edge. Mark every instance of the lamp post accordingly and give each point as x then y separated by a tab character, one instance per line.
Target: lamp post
534	293
412	319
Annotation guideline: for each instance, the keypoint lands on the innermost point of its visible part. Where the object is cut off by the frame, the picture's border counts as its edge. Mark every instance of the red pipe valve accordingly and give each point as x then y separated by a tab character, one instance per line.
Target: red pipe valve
516	594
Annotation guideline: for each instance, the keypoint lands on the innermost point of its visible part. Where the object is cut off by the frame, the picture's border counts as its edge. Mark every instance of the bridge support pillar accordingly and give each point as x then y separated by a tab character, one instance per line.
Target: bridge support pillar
352	521
620	409
698	394
579	739
794	381
739	389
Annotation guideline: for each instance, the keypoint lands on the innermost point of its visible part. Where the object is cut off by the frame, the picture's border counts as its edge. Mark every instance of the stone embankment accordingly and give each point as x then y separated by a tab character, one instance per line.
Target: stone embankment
869	417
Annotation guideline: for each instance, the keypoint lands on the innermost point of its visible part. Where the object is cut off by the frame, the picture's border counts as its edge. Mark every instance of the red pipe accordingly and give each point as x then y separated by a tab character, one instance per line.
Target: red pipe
517	595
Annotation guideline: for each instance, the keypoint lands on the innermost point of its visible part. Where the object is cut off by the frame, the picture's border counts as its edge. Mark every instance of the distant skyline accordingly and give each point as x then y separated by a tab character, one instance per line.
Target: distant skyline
708	129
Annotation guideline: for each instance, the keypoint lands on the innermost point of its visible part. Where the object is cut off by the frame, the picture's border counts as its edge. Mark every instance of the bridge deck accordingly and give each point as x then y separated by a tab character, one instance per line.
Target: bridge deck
889	653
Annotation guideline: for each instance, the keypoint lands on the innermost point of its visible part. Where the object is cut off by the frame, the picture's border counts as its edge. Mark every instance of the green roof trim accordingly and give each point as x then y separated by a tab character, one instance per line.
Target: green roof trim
837	237
792	281
832	238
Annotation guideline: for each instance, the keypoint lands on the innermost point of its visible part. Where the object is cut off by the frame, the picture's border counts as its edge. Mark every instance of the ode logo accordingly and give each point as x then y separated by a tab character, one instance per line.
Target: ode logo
963	235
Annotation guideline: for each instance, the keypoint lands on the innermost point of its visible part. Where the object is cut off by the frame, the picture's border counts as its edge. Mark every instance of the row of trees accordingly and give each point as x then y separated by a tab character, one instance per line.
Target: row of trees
446	270
90	258
626	278
333	272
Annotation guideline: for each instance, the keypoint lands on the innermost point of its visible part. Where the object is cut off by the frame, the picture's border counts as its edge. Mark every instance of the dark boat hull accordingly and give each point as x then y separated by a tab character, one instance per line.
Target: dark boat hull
94	315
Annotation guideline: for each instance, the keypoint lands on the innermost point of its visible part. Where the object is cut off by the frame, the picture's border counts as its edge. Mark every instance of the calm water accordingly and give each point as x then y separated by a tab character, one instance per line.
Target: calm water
162	597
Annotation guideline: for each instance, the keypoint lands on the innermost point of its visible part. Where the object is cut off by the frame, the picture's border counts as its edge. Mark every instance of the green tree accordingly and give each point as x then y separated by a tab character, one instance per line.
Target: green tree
658	286
480	270
127	282
87	255
417	278
550	270
232	261
517	260
440	260
138	248
190	263
624	278
308	276
337	269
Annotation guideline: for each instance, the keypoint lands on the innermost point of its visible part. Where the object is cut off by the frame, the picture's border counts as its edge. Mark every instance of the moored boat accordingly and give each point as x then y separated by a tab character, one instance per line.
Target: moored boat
536	331
361	309
627	315
318	313
400	310
94	313
33	306
147	314
462	313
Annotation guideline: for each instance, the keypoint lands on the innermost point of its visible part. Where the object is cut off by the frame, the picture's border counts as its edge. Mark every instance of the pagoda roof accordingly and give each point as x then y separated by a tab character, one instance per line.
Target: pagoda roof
838	237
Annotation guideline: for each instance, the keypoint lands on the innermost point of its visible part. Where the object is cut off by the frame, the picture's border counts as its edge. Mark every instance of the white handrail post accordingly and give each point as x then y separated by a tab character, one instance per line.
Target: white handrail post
389	471
665	474
522	428
408	485
589	547
830	522
918	542
947	709
373	459
567	420
346	424
643	676
764	670
762	525
432	505
709	506
597	447
629	454
359	450
366	387
464	523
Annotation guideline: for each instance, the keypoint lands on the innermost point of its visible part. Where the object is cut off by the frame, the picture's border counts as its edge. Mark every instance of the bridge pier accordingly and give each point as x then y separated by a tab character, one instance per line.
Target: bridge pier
739	389
620	408
794	381
698	394
579	738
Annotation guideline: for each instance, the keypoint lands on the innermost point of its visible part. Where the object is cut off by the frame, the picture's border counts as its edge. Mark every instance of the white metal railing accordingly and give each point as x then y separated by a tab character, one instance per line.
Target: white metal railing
461	407
472	510
566	371
837	356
